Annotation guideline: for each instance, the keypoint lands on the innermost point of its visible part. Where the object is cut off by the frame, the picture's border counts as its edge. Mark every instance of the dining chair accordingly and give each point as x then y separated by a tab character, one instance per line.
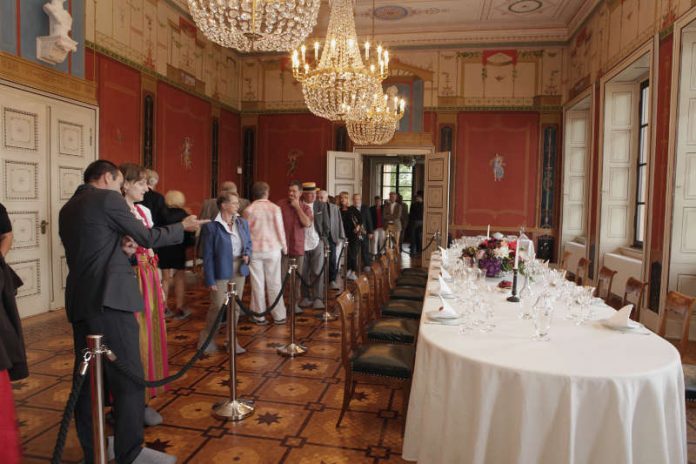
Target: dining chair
633	294
605	279
681	306
582	270
371	363
376	329
388	307
564	260
404	292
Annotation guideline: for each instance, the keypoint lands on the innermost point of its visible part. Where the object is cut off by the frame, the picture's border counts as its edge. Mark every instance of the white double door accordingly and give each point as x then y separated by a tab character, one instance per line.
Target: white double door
45	144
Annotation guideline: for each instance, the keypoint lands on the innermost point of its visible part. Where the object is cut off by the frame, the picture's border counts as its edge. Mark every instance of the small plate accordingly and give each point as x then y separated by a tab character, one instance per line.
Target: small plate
436	315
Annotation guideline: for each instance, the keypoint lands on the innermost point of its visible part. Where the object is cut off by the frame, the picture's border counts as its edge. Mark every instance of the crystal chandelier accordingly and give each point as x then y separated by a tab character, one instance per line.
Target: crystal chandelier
379	123
255	25
339	85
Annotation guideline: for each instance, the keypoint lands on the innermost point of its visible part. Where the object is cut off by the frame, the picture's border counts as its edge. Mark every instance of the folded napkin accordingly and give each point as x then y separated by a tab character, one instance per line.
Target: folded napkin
447	310
445	275
444	288
621	318
443	252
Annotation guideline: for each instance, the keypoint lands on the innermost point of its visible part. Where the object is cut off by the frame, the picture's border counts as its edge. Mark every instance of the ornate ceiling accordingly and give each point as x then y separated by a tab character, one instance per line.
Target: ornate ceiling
457	22
462	22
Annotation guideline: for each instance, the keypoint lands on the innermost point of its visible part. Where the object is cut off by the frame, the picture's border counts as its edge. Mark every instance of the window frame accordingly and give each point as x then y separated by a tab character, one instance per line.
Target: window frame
641	164
396	186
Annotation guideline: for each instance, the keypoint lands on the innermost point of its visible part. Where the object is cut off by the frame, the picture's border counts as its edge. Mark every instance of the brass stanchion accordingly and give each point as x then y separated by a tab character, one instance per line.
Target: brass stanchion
233	408
292	349
96	378
344	264
326	316
438	239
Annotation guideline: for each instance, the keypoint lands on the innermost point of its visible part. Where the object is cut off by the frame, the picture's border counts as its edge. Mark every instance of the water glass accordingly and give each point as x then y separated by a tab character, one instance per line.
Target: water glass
542	315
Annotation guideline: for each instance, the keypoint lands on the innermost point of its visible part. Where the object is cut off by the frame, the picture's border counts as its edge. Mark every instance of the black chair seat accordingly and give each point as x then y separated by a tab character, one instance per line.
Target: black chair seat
690	381
385	360
407	293
414	271
411	281
402	308
394	330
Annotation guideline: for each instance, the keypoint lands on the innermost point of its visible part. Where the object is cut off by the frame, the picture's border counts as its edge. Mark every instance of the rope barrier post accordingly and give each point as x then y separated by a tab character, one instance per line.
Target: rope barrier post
326	316
232	409
344	264
96	379
438	238
292	349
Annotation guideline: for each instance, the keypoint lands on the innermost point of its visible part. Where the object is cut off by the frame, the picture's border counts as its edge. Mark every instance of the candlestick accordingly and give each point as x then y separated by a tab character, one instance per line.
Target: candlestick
488	231
514	298
517	255
316	51
367	51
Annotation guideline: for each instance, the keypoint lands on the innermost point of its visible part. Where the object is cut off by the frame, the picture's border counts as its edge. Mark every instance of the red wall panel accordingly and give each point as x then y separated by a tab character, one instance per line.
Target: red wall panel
283	137
119	111
230	149
479	199
183	128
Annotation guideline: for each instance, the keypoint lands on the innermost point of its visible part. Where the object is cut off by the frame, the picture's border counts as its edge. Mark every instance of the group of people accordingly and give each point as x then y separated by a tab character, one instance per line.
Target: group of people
126	246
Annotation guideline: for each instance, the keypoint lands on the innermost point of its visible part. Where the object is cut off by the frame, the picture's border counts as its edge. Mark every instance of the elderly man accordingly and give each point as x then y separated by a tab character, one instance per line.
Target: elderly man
316	236
297	216
391	215
378	234
209	210
337	236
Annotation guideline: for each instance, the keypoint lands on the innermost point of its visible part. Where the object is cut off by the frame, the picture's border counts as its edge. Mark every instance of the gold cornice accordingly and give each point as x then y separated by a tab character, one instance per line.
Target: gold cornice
34	75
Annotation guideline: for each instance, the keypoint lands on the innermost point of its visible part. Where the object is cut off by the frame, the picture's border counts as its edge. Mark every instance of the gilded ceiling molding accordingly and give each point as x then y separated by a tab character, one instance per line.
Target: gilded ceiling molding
21	71
422	73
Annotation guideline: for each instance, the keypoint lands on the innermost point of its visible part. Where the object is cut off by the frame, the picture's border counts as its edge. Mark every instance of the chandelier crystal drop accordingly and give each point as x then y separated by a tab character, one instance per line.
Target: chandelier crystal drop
379	123
336	83
255	25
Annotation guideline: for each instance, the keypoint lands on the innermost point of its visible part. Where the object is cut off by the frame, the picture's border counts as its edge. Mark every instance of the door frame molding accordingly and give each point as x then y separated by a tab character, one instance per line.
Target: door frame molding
679	25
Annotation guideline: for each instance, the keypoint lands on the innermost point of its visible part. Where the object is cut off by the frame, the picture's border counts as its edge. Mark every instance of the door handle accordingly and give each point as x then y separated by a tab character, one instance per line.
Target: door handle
44	223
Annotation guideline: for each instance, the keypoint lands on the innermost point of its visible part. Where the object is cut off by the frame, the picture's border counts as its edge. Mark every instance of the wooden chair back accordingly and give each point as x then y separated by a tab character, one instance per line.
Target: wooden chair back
681	306
380	292
582	270
605	279
633	294
362	303
348	315
564	260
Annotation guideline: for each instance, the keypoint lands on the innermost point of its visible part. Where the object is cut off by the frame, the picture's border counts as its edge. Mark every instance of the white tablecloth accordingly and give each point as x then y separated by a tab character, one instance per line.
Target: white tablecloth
590	395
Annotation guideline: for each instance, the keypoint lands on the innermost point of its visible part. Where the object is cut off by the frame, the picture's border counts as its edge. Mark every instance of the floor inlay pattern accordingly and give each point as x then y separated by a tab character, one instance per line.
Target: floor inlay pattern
297	400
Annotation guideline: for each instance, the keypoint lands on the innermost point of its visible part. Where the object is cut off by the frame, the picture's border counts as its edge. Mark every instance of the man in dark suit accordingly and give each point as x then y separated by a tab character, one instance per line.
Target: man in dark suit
99	233
337	235
369	229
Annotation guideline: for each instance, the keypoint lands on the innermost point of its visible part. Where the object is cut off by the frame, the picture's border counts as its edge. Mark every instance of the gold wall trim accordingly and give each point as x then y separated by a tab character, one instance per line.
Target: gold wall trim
34	75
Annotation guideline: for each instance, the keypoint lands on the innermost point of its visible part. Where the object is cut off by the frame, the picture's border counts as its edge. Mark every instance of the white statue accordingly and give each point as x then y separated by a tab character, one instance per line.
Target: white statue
55	47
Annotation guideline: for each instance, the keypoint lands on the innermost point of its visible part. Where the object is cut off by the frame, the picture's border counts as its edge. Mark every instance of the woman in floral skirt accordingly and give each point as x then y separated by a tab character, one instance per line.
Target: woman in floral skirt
153	329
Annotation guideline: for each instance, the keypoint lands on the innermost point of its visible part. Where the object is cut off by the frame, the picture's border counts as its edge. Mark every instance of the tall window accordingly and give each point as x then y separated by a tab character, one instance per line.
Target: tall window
641	172
397	178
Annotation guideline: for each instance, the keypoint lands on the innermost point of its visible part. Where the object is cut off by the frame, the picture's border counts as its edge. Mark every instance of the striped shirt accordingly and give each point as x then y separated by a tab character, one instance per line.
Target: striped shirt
265	226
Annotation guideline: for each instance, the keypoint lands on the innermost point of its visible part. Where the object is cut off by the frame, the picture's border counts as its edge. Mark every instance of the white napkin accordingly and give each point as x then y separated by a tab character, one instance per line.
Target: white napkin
621	318
445	275
443	252
444	288
447	310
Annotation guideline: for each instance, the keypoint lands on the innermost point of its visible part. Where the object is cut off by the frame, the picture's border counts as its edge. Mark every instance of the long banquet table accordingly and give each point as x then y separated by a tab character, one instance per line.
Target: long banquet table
589	395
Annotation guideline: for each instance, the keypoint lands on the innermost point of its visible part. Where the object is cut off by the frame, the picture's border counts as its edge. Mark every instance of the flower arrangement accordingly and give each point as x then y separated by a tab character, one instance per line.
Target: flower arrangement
493	255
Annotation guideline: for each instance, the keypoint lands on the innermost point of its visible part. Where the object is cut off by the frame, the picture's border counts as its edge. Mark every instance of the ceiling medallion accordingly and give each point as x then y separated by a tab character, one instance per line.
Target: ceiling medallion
255	25
337	84
390	12
525	6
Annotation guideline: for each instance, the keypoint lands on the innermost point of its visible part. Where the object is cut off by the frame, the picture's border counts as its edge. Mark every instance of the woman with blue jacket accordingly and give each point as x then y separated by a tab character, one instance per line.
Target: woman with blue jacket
226	252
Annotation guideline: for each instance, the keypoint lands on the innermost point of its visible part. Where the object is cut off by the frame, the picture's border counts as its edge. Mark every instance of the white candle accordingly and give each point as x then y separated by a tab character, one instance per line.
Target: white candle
517	254
316	51
488	231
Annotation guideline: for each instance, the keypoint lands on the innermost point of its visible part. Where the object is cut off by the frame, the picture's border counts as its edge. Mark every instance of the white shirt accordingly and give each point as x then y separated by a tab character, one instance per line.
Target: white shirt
234	235
311	237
